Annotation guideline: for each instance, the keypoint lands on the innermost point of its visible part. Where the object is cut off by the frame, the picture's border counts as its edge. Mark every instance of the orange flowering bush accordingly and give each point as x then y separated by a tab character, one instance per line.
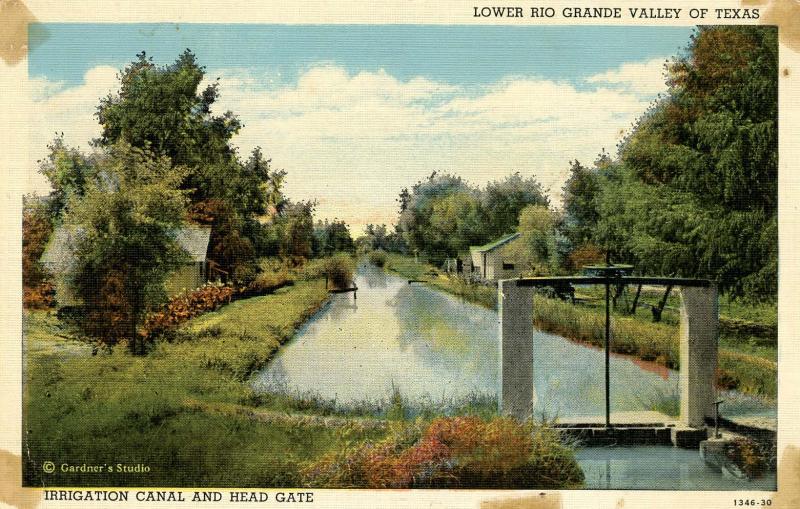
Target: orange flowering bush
186	306
454	452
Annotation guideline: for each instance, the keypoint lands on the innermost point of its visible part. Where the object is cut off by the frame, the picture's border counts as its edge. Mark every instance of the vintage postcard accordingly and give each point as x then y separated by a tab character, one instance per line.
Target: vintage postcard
342	255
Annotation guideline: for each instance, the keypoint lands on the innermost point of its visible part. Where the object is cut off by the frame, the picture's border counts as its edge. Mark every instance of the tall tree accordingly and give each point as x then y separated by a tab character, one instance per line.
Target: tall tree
164	109
67	170
537	252
127	221
296	226
504	199
705	156
580	194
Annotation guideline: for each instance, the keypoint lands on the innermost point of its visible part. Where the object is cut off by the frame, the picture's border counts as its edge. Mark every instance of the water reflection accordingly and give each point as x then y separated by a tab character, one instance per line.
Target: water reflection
433	346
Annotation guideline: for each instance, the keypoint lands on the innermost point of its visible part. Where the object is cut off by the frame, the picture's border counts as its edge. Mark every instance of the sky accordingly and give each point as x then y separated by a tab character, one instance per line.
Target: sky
354	113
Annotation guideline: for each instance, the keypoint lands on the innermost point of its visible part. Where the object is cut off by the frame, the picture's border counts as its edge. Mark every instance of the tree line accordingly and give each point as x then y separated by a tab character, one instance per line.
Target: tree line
692	190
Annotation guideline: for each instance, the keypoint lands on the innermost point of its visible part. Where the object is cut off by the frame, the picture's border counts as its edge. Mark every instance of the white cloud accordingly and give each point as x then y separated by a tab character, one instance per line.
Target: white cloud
353	141
643	78
57	109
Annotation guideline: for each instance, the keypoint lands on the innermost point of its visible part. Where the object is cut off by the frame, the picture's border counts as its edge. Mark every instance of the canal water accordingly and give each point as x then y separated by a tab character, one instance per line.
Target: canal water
658	468
436	349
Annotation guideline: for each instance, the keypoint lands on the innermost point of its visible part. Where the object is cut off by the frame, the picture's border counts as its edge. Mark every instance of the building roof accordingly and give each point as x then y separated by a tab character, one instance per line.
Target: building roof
495	244
59	256
194	240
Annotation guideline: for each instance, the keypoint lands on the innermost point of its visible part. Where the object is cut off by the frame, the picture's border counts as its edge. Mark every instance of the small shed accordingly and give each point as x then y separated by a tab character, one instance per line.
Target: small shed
194	274
58	258
496	260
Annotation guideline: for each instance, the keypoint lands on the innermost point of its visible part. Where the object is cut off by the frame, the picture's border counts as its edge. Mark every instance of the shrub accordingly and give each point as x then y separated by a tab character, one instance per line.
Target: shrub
748	456
454	453
266	283
377	257
36	230
186	306
585	254
339	269
747	373
41	296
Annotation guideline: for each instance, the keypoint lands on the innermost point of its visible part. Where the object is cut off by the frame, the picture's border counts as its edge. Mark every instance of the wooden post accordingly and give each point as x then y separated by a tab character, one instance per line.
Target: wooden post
636	300
657	311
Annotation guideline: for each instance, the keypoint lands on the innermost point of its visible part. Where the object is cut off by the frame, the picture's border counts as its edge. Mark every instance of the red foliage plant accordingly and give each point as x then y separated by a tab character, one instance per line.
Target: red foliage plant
41	296
585	254
38	292
455	452
186	306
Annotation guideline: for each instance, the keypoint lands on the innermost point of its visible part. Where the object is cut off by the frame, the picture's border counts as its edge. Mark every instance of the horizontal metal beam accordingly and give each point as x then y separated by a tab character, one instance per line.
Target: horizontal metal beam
622	280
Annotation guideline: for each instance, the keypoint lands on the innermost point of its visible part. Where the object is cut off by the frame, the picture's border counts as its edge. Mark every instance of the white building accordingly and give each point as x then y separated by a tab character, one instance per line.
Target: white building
497	259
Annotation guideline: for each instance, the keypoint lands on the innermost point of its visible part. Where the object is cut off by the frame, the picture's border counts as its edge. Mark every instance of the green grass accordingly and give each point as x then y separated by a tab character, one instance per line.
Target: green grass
119	408
654	342
185	411
405	266
762	315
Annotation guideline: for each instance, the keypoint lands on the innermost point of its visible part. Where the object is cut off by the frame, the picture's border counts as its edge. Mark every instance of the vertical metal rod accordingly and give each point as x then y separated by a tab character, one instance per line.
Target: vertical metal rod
608	340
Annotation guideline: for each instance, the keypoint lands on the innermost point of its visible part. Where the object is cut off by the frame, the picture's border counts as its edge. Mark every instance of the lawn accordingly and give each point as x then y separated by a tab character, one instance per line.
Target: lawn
118	408
184	415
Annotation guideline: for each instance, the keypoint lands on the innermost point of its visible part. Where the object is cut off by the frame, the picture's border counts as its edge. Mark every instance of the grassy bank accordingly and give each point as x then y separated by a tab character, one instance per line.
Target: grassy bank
183	415
747	366
119	408
406	267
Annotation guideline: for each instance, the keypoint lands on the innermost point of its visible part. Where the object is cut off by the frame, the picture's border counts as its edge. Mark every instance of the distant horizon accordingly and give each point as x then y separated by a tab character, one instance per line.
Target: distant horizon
355	113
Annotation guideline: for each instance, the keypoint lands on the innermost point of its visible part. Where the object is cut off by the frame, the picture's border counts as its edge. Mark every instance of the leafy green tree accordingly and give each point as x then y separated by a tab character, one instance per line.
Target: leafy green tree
580	194
503	200
164	109
537	226
378	237
332	237
126	219
443	215
296	227
67	170
456	223
708	151
415	218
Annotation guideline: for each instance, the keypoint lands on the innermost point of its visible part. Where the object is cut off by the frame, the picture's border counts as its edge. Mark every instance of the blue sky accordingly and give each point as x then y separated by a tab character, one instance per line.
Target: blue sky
354	113
456	54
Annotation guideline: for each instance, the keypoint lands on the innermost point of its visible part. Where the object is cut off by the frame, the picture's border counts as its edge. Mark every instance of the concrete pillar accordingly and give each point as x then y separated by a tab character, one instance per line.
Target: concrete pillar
698	353
516	349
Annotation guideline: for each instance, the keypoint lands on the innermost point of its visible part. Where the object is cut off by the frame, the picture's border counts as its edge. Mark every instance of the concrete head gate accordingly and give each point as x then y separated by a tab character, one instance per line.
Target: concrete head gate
699	328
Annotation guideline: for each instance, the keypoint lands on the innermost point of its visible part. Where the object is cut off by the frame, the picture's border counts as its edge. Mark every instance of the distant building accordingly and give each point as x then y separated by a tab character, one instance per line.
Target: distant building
59	259
497	259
